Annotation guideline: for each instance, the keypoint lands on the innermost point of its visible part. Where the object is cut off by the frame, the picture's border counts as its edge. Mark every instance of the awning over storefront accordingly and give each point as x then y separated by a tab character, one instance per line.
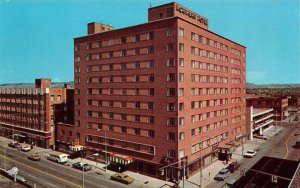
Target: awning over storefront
226	148
120	159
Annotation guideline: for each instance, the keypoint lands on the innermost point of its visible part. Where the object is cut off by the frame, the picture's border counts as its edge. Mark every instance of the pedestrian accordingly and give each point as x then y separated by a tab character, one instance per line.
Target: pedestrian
227	159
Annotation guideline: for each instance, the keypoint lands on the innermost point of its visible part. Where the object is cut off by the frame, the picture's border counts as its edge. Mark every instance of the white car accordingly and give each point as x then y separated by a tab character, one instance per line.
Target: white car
25	148
250	154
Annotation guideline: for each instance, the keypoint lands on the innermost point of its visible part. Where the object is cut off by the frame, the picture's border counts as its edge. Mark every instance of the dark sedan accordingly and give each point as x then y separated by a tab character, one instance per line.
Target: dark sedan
84	166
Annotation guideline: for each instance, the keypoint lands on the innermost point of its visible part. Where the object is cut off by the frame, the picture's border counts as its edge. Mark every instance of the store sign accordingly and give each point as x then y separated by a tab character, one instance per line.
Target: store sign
191	14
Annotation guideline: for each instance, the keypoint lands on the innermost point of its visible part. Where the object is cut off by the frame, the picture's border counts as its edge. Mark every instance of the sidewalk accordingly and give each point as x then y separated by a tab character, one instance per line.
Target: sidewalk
210	171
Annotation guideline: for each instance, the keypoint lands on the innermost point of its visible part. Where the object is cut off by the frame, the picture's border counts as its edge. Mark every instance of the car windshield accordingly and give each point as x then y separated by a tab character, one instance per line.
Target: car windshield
251	152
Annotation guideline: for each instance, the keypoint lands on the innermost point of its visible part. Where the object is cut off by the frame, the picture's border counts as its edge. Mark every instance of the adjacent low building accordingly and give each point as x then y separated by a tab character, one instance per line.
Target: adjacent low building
29	114
279	105
258	120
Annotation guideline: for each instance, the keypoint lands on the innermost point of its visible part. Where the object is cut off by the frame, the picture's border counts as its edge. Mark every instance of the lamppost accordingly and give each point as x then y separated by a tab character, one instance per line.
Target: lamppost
82	165
105	145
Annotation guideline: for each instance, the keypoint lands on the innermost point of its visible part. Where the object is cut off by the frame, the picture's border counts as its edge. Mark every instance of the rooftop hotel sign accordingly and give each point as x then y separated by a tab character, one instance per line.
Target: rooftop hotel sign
191	14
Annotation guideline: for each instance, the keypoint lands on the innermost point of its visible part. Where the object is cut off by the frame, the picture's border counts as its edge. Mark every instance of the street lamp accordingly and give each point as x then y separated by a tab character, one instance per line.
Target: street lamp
82	165
105	145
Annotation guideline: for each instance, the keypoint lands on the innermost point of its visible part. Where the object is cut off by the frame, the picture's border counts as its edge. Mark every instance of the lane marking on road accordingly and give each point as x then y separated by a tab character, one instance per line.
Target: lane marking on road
22	164
286	144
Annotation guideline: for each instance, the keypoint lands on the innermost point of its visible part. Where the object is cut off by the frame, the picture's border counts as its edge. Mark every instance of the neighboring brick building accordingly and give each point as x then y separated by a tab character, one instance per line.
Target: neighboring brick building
258	120
158	91
279	105
29	114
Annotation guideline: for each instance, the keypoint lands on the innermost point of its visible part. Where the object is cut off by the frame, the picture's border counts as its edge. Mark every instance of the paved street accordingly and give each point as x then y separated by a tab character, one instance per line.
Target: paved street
280	145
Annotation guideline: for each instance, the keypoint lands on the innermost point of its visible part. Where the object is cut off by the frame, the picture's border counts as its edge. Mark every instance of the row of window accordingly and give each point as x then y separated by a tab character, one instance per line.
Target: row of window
213	114
205	53
122	40
204	40
206	143
207	103
125	117
208	79
120	53
121	104
208	66
208	91
121	91
121	129
206	128
31	124
122	78
120	144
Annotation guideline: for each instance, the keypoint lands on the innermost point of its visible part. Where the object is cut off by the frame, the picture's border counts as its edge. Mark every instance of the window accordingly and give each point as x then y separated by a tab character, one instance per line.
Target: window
171	107
181	106
171	136
170	47
136	64
193	104
193	63
181	32
151	133
181	92
169	32
123	65
150	64
170	62
111	42
181	77
137	118
137	131
181	47
181	153
136	51
123	129
171	77
123	40
171	153
110	54
137	104
136	38
181	121
123	53
171	121
181	136
193	132
151	92
52	98
181	62
111	128
123	116
150	35
171	92
150	105
151	119
193	36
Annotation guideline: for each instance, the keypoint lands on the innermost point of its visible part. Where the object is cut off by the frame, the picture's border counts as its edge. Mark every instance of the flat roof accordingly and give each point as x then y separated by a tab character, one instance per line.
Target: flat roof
155	21
258	111
266	169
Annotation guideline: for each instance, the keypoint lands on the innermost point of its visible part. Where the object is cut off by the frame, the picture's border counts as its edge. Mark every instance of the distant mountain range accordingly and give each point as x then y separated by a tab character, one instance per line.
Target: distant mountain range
253	86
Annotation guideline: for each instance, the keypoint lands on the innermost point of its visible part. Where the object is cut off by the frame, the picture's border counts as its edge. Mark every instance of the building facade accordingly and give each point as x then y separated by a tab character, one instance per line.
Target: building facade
29	114
279	105
159	91
258	120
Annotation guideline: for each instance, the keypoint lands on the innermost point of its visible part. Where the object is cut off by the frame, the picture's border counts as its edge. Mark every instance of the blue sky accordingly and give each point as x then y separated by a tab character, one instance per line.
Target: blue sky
36	36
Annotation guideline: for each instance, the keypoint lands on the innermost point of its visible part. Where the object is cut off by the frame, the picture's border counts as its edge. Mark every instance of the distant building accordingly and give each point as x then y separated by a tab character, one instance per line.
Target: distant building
258	120
29	114
279	105
154	93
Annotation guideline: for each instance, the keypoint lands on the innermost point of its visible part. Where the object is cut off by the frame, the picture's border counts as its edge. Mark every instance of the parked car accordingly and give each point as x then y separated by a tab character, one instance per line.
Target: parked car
233	166
123	178
34	157
13	144
222	175
250	154
25	148
229	183
84	166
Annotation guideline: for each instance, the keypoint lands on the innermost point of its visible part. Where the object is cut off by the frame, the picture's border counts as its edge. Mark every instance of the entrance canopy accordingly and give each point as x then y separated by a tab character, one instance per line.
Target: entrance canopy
120	159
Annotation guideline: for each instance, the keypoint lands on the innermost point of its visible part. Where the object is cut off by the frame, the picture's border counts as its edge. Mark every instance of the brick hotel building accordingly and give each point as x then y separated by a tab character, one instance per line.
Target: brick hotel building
29	114
158	91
